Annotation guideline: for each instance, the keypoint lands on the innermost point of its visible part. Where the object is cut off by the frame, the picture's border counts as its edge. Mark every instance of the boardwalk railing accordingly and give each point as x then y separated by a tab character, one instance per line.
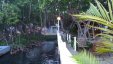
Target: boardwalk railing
65	54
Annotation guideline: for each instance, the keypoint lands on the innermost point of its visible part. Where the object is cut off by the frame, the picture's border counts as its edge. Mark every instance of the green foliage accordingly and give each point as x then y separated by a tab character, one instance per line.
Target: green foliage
9	14
42	4
85	57
21	40
26	11
99	14
104	46
25	39
3	43
22	2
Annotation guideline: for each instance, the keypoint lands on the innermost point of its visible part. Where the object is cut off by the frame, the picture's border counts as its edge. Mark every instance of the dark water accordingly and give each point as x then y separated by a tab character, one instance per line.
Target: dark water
37	55
19	58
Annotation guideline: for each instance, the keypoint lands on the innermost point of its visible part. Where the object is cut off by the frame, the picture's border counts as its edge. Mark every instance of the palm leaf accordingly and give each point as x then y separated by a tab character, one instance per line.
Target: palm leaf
85	57
93	9
110	10
112	4
108	31
102	11
95	19
105	36
106	13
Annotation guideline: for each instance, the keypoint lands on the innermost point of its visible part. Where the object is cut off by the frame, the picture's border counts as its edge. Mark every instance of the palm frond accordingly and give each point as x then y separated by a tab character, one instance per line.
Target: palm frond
106	13
107	31
95	19
102	11
105	36
110	11
85	57
112	4
93	8
101	15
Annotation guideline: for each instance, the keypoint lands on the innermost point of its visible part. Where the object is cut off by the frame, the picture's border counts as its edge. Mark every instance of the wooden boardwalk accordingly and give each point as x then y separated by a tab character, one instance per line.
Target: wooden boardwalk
65	52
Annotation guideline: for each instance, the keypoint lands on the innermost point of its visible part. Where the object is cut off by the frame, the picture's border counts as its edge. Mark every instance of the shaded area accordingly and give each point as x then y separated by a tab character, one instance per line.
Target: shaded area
47	53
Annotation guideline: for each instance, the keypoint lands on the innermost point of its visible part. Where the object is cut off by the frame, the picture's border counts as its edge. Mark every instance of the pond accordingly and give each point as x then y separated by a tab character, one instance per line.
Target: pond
47	53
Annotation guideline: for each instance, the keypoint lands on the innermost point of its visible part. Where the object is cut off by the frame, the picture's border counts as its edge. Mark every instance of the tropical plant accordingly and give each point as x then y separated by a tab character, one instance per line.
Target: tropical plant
103	46
85	57
101	15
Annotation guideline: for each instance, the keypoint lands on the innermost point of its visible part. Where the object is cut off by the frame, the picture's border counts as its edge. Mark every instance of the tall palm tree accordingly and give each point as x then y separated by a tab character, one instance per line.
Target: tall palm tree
101	15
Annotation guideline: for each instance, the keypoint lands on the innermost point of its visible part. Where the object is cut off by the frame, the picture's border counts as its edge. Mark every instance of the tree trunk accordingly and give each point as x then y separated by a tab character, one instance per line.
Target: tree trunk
41	19
45	17
30	11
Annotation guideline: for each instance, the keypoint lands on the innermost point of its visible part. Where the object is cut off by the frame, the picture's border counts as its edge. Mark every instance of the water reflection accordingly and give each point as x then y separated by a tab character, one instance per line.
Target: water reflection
35	55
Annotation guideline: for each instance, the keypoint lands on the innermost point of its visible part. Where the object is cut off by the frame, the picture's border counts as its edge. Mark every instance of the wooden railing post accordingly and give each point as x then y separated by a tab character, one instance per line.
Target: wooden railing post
69	38
75	46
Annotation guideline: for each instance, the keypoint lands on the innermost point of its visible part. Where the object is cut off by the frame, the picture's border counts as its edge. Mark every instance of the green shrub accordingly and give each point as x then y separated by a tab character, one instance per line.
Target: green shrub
103	47
85	58
22	40
3	43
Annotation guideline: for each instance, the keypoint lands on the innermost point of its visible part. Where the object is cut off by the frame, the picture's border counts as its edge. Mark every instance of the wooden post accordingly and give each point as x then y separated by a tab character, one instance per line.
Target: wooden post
75	44
69	38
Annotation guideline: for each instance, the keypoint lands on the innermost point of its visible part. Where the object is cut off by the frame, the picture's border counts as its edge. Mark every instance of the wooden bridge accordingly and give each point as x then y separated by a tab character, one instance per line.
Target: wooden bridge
66	52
